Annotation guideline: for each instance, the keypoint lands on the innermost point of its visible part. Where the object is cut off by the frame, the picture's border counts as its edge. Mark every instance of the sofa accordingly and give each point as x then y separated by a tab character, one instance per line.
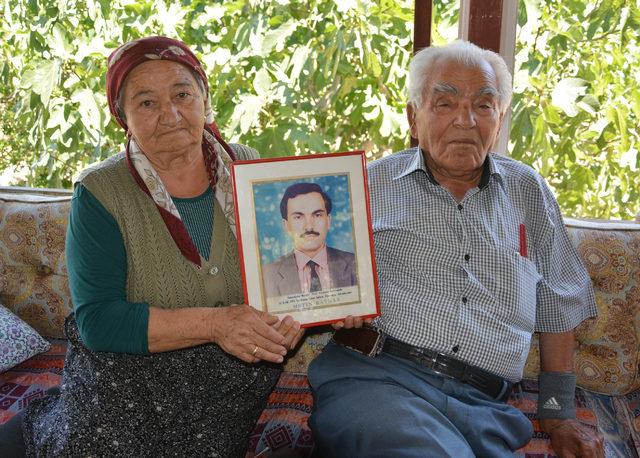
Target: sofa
33	287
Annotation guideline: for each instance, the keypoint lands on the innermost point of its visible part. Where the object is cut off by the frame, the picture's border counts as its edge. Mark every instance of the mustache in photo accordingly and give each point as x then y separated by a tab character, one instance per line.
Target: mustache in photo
310	233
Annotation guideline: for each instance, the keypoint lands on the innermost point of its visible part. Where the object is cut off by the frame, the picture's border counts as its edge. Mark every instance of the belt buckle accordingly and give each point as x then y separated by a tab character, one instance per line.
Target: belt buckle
431	362
438	364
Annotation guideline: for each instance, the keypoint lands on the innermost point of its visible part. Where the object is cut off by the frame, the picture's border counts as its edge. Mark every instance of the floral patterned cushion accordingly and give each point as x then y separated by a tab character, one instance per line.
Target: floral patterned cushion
18	340
606	358
33	275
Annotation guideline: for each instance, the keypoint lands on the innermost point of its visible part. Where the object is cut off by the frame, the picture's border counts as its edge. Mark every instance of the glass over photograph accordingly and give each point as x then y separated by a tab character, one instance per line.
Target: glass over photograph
306	242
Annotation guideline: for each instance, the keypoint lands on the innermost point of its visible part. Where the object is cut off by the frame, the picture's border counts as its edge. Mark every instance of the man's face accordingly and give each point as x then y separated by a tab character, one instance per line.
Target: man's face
307	222
459	119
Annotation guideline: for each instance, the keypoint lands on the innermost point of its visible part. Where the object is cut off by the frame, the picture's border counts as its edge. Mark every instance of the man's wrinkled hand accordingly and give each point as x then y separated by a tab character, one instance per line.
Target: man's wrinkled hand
570	438
351	322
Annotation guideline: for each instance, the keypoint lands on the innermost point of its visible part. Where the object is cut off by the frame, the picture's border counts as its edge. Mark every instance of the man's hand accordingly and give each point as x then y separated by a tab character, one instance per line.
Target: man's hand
291	331
569	439
351	322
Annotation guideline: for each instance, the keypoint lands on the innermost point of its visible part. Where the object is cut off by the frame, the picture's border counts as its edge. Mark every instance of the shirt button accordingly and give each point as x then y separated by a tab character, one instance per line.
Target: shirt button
459	206
467	257
464	300
455	349
214	271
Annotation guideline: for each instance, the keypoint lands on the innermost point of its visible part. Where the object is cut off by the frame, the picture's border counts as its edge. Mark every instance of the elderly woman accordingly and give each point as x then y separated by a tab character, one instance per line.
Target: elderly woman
160	360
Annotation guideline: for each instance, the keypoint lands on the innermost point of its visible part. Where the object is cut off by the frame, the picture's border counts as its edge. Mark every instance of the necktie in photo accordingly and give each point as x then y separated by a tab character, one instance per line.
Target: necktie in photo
315	280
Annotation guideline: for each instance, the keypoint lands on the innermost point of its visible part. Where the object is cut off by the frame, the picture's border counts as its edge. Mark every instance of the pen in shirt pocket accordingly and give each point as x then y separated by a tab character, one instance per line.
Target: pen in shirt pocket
523	241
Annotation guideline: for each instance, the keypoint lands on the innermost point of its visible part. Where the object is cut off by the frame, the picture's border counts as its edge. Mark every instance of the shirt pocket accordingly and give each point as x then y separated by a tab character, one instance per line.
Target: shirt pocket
516	280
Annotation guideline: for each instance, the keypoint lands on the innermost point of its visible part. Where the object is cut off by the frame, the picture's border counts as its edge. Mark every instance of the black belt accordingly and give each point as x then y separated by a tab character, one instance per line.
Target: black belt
447	366
368	341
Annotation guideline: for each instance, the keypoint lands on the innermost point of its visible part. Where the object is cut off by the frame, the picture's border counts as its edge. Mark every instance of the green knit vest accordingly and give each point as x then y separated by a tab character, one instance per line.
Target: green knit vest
157	272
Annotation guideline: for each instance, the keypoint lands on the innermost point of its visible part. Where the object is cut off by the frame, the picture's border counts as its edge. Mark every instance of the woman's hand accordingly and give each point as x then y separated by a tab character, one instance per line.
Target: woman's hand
351	322
249	334
291	331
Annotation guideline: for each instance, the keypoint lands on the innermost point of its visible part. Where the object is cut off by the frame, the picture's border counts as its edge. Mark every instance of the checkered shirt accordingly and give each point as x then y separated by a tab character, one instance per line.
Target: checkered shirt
450	273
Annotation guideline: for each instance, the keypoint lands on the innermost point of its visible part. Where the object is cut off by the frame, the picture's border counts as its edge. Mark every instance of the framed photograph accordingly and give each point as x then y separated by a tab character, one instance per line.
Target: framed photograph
304	236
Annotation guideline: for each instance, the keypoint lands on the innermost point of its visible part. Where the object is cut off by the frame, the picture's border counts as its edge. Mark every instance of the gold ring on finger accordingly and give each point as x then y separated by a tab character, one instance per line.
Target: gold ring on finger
255	350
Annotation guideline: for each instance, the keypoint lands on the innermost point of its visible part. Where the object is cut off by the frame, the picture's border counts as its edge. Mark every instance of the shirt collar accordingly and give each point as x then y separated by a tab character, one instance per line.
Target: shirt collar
320	258
490	168
416	162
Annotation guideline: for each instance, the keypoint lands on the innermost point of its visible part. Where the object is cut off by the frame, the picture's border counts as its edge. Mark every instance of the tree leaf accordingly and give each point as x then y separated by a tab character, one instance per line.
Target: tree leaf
246	113
276	39
262	82
89	109
566	92
42	78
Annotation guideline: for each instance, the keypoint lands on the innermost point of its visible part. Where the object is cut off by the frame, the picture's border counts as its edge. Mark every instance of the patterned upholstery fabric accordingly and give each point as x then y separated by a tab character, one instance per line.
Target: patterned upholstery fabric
311	346
283	423
33	275
607	353
30	380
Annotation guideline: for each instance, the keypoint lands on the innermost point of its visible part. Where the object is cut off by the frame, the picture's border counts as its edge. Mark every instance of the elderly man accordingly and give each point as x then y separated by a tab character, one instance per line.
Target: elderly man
472	258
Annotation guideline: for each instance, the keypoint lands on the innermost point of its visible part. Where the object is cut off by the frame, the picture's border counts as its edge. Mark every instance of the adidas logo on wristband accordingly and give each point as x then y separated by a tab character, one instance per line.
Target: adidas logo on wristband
552	404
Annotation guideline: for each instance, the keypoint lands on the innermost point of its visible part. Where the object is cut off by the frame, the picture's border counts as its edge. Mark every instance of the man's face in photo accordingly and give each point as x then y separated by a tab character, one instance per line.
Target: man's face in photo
307	222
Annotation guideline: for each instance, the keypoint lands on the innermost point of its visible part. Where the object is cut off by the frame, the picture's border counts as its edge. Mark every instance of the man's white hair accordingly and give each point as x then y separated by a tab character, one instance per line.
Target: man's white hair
426	61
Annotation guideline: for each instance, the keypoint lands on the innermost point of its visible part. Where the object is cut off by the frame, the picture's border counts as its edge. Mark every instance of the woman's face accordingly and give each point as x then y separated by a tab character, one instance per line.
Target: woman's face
164	109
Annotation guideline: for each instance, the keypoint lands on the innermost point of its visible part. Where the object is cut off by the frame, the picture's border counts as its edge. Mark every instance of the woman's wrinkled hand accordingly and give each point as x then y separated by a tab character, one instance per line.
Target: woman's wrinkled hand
291	331
351	322
249	334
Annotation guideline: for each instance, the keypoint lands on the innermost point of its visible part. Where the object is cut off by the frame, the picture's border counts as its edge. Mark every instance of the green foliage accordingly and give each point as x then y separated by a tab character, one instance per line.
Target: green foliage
294	77
577	102
287	77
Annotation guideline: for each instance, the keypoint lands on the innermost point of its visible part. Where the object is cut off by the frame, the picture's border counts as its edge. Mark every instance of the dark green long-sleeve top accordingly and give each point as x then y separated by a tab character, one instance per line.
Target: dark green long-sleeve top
97	265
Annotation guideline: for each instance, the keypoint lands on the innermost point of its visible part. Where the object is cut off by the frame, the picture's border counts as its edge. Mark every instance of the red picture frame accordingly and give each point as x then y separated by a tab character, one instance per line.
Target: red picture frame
303	225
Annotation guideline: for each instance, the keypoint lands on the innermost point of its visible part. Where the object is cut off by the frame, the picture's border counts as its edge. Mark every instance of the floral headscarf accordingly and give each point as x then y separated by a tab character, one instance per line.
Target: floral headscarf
217	154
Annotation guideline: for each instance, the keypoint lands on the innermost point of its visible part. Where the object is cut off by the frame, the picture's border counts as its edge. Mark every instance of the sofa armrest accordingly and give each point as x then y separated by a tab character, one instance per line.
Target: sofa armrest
607	348
33	275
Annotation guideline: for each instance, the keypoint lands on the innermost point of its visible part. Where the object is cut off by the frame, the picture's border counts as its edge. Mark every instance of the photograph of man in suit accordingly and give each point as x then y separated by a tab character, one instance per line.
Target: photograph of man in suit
312	265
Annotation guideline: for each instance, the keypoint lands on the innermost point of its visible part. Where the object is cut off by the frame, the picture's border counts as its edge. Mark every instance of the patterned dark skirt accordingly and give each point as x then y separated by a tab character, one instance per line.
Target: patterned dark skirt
194	402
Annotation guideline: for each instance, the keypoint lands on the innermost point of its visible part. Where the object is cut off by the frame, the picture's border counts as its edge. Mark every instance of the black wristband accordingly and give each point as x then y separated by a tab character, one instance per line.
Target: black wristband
556	398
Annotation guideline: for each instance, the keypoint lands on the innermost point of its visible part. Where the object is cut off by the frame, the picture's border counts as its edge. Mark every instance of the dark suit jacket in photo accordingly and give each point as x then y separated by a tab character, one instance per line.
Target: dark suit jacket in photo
281	276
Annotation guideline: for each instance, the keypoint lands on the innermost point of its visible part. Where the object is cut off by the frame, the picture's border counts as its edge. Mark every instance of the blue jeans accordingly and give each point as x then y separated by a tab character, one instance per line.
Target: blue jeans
390	407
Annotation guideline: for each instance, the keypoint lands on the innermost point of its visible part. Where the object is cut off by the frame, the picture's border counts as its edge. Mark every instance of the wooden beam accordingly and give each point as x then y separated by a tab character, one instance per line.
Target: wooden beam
422	24
485	23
